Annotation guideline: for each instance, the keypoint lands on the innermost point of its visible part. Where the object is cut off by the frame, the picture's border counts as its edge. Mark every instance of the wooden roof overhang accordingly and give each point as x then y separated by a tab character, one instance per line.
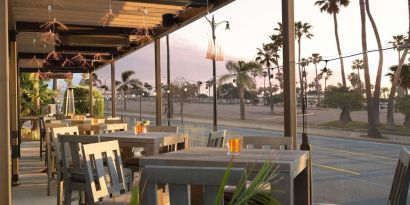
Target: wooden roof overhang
87	36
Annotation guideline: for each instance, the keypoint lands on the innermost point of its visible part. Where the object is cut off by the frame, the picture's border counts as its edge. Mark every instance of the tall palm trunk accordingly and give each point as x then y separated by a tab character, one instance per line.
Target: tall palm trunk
300	71
241	101
125	102
376	97
270	89
339	51
396	79
316	86
360	81
390	105
371	128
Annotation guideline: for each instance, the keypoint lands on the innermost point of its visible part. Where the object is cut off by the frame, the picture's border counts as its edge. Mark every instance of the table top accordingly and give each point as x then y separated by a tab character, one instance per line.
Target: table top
288	160
150	137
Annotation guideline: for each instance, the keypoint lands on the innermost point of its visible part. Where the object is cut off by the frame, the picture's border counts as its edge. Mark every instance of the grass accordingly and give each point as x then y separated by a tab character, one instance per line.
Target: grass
356	125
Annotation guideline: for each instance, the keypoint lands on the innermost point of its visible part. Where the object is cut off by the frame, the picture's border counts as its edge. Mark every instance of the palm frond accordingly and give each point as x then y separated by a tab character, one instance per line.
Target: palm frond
126	75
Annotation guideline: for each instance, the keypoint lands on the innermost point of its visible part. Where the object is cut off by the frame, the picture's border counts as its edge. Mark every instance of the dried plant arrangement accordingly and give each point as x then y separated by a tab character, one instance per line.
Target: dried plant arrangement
108	16
143	33
79	59
53	55
67	63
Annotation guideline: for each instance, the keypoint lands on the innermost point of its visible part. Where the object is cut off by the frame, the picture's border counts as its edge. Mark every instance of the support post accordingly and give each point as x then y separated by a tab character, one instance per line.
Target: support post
90	84
289	91
113	89
14	110
5	185
158	97
169	84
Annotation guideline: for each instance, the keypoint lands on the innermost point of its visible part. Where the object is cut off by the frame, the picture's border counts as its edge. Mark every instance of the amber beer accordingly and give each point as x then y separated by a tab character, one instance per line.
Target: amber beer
234	146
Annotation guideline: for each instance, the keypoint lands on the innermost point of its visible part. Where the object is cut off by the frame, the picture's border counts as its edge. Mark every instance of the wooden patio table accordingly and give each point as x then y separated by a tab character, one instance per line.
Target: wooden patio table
151	141
293	167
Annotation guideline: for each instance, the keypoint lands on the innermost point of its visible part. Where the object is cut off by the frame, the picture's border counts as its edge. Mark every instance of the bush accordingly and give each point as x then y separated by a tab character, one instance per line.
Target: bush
344	99
82	101
403	106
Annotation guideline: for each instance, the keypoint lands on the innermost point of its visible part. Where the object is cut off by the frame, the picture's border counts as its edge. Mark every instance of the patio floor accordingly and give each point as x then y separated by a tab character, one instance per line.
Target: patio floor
33	184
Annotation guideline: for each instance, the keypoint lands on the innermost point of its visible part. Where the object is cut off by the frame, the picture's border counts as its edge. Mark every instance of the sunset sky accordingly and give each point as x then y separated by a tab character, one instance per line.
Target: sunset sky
252	22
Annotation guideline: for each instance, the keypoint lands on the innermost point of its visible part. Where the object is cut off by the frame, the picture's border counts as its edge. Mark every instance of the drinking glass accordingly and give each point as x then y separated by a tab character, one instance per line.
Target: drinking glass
234	146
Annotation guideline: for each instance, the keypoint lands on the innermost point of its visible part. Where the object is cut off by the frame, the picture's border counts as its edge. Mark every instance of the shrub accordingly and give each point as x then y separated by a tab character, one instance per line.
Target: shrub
403	106
345	99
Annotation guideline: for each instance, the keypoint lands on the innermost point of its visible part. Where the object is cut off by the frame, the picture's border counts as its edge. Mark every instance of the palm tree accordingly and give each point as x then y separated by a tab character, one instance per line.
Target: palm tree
397	42
241	72
332	7
384	91
208	84
357	64
255	72
127	83
390	105
198	84
372	129
266	57
315	59
404	81
376	95
326	72
301	30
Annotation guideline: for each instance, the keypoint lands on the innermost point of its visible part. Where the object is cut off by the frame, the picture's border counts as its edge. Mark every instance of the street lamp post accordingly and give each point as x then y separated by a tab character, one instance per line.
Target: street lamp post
213	27
141	94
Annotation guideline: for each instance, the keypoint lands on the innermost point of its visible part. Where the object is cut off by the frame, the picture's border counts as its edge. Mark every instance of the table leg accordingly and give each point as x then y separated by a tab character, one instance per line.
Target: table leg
284	187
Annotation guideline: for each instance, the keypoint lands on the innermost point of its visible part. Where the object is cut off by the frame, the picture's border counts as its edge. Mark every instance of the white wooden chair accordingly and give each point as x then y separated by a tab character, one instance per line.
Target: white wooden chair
98	183
178	180
266	142
56	156
162	128
50	152
400	186
216	138
117	127
73	168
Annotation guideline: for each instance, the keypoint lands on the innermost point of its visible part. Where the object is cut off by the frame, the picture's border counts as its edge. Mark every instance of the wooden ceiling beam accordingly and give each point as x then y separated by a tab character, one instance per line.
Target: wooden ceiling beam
94	5
24	26
55	70
190	3
80	49
40	56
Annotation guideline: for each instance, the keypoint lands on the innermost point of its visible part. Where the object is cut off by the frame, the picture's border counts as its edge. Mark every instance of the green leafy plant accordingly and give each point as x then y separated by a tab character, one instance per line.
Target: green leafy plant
82	101
257	192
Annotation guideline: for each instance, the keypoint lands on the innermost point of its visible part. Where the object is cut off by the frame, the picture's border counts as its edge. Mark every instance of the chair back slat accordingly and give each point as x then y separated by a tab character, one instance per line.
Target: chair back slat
178	194
216	138
179	178
56	131
117	127
162	128
400	186
70	146
170	143
95	155
266	142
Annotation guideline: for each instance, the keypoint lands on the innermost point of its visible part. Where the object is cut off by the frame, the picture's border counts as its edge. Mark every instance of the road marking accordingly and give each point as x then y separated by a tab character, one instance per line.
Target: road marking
355	153
336	169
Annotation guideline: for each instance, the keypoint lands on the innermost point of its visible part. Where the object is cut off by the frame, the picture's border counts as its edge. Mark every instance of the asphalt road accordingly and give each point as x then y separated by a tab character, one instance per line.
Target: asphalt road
344	171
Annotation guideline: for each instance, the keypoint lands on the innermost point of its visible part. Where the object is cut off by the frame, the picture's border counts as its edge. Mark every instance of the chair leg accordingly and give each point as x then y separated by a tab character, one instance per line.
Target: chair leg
59	187
67	192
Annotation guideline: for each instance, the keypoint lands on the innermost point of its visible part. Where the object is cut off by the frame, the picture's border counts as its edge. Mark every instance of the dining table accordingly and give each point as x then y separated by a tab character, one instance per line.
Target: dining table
292	167
151	142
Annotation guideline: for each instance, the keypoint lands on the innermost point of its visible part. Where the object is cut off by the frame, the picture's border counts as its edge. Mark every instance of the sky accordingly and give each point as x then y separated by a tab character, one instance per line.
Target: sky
251	22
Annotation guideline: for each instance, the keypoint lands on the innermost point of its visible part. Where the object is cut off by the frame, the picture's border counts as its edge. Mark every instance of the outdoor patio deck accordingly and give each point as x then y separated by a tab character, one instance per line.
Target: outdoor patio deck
33	184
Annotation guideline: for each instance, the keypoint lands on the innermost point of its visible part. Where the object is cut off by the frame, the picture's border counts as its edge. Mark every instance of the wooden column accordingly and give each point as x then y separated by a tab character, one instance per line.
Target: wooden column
14	109
90	84
5	182
289	90
158	97
113	89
